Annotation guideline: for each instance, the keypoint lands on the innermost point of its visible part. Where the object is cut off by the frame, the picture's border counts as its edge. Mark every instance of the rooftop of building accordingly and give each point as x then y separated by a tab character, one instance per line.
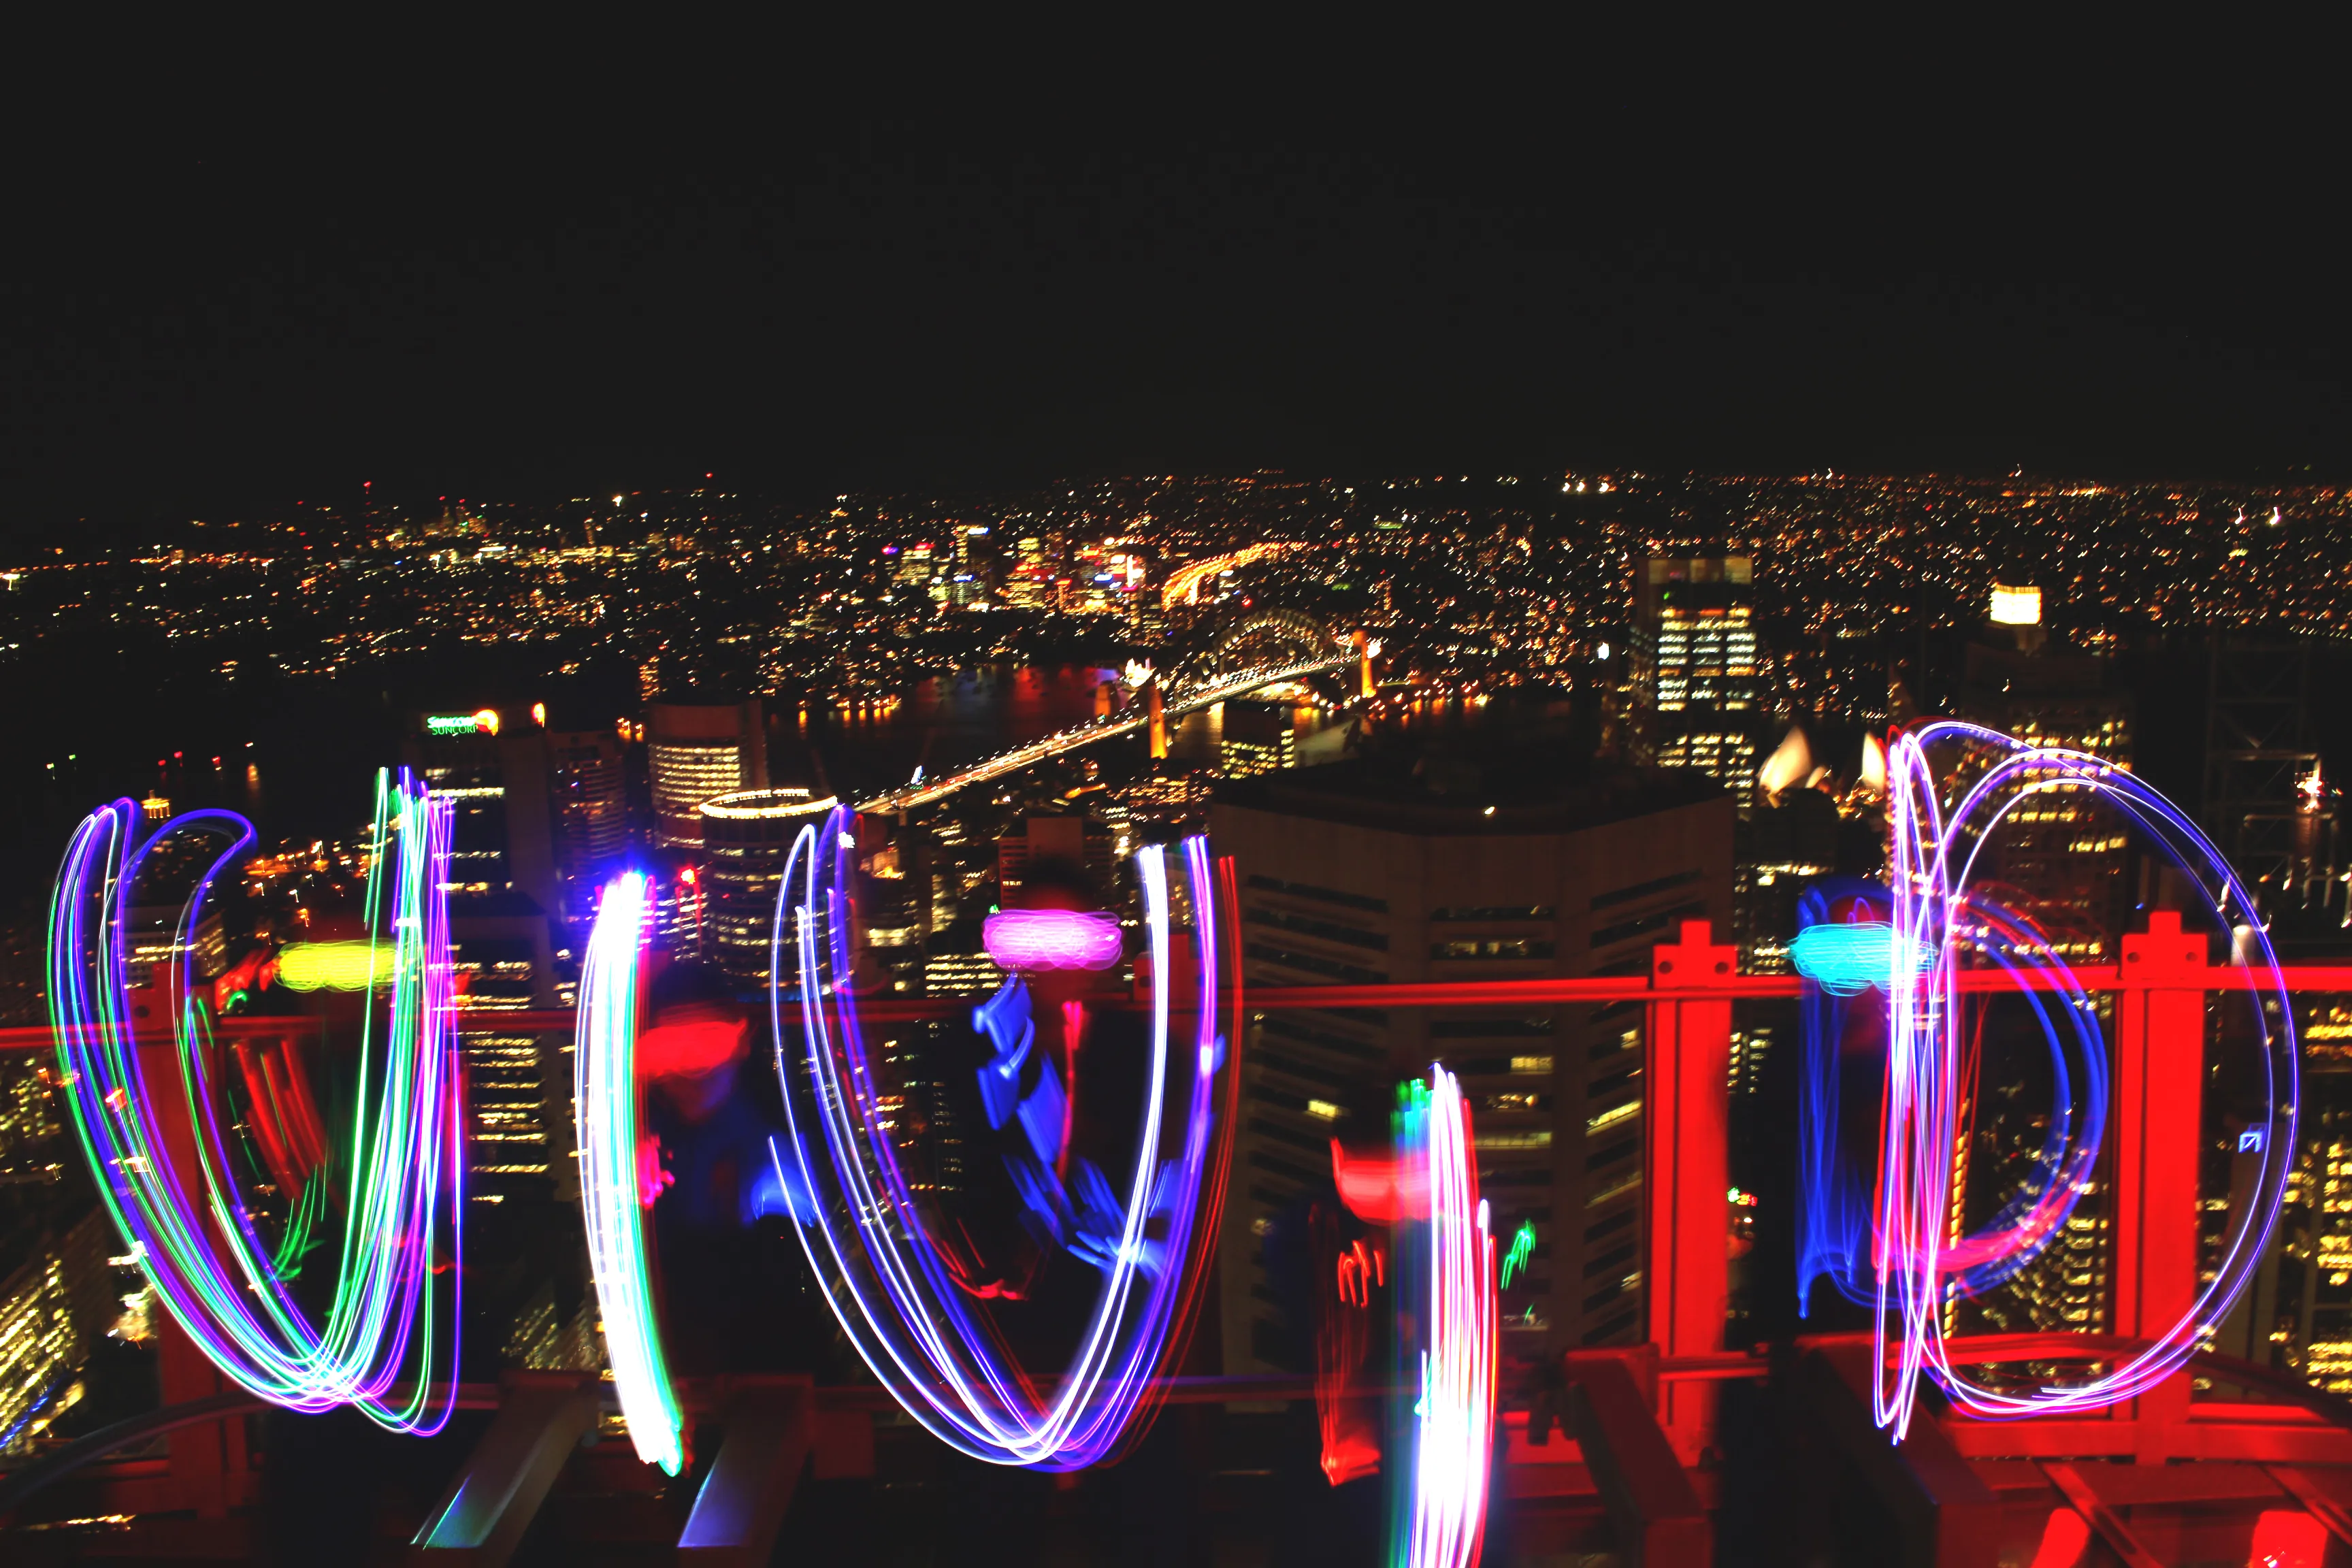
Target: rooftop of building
1536	774
2050	665
769	803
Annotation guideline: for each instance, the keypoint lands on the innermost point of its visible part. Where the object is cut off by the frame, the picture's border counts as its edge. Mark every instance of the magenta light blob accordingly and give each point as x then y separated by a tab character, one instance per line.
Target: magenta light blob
1022	940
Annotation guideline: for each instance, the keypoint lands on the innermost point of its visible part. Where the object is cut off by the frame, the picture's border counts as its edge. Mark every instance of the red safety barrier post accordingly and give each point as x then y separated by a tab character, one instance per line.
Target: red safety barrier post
2159	1072
1689	1178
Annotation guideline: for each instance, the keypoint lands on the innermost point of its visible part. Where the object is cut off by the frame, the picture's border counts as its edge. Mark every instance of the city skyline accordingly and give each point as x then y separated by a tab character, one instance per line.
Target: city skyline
1612	832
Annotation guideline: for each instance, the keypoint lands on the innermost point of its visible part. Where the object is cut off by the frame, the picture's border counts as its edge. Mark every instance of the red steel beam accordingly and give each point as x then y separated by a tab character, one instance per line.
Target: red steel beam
1687	1132
2301	979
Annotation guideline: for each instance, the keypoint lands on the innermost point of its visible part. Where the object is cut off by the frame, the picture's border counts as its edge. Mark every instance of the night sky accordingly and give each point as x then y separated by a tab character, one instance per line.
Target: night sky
217	314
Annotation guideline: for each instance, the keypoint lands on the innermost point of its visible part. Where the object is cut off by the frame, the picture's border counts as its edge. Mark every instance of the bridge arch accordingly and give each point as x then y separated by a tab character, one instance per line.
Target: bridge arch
1276	635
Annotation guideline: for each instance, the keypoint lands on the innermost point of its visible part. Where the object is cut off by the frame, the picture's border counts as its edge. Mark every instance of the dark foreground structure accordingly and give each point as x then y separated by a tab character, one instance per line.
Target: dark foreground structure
1675	1449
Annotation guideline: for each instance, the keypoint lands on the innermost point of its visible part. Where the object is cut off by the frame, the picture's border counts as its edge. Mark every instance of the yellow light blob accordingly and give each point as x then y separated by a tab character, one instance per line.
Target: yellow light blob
333	966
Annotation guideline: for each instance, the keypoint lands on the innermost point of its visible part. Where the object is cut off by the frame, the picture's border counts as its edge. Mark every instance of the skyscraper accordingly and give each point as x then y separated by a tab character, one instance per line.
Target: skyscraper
1080	841
496	776
2263	799
1361	873
53	1309
504	902
2060	855
747	837
588	789
1258	738
701	751
2060	860
1699	693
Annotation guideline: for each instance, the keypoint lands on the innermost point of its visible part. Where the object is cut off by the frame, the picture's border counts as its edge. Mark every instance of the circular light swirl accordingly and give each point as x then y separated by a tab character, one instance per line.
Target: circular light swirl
935	1348
1934	853
1834	1235
388	1343
604	1102
1448	1261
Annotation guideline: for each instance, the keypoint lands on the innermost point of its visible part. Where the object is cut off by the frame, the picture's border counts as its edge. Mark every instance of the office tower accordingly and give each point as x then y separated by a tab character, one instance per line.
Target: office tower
2300	1313
1700	702
2060	856
2060	860
677	887
956	963
1259	737
1370	872
53	1309
588	786
915	565
1030	584
29	1119
496	777
2264	801
153	934
1147	617
518	1082
747	837
1080	841
974	566
504	897
1699	693
545	1340
700	751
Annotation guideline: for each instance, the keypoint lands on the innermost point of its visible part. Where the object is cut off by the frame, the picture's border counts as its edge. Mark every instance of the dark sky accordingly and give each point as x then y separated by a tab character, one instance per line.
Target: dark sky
209	311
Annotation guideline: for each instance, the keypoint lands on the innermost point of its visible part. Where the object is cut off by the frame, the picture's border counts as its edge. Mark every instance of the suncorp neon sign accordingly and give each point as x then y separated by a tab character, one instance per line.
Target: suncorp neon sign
484	722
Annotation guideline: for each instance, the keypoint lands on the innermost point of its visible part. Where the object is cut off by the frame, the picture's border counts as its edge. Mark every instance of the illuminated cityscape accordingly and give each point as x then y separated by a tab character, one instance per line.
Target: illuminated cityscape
952	829
1568	666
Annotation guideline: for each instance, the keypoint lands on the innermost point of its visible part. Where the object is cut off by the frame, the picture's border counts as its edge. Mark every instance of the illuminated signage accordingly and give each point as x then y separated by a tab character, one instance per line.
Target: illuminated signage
2016	606
484	722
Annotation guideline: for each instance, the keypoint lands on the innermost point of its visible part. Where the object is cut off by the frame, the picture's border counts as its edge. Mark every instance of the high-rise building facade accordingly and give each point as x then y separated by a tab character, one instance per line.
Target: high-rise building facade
29	1124
1352	877
2264	801
506	904
2062	854
53	1308
698	752
1700	696
2061	858
747	837
1257	738
956	963
518	1081
1078	841
496	777
589	800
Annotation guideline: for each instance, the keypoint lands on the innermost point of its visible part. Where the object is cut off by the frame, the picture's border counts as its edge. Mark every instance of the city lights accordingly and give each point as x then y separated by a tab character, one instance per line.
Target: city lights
1648	811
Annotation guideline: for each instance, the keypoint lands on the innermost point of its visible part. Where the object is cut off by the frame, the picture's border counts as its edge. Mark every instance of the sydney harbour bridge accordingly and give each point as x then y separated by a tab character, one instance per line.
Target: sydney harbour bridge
1250	652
